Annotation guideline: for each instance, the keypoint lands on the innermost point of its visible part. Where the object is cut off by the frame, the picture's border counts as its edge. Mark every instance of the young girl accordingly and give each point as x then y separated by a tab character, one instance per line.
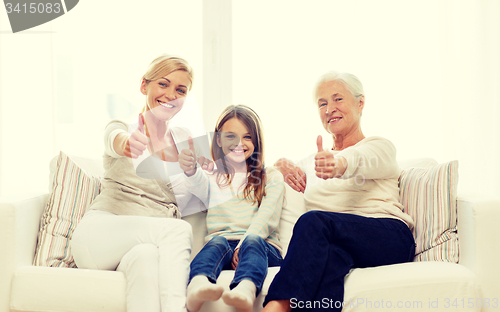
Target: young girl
244	201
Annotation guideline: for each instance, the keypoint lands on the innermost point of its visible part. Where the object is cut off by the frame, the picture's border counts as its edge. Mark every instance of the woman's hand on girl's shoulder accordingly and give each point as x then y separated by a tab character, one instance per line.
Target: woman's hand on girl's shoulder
292	174
206	164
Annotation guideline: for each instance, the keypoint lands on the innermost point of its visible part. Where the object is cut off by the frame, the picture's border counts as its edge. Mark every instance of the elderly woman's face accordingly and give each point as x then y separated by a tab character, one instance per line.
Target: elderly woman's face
339	110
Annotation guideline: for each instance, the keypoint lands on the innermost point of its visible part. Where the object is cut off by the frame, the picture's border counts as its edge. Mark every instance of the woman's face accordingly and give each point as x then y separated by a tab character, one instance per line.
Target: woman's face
165	96
236	141
338	109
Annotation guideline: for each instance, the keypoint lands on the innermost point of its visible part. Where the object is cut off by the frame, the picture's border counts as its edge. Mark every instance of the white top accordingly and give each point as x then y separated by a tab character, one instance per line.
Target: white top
369	186
231	215
145	186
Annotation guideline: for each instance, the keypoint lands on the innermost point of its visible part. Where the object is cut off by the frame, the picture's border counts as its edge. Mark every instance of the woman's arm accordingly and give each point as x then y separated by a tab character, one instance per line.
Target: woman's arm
118	142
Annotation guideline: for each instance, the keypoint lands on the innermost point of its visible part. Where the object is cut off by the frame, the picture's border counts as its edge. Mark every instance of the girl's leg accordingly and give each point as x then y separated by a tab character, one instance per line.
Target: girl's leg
211	259
255	256
205	269
104	240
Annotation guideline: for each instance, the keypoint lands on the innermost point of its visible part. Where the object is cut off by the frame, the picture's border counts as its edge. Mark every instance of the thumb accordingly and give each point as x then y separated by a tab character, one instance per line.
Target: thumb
191	144
319	142
140	126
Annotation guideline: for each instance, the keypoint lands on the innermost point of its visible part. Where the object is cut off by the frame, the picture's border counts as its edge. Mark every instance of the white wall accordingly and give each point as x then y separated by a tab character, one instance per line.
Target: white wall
56	79
430	69
26	120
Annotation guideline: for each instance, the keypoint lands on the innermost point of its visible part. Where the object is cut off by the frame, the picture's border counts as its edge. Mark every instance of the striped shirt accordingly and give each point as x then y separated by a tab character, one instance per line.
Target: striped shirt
231	215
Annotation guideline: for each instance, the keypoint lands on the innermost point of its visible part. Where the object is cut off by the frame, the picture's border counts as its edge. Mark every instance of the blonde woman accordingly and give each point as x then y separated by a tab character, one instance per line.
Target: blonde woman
134	225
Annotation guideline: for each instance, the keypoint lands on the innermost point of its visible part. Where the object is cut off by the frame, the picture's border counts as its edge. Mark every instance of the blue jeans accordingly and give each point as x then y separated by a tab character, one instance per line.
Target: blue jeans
255	256
326	245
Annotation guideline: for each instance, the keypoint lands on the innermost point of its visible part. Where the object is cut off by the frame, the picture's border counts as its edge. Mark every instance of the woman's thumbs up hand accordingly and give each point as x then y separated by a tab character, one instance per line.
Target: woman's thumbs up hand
187	159
137	142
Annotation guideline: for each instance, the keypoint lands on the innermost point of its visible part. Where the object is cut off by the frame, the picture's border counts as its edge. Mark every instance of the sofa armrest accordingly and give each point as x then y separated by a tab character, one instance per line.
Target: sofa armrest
479	240
19	224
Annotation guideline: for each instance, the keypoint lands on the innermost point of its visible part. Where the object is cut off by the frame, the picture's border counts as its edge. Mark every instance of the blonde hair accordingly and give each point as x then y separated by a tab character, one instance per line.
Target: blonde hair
255	163
165	65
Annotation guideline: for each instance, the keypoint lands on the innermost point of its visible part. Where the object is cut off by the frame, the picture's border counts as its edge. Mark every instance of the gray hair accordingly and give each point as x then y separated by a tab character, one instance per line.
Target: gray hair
350	81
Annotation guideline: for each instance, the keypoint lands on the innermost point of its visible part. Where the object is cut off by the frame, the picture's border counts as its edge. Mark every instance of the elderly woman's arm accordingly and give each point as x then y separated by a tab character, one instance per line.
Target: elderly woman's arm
375	158
293	175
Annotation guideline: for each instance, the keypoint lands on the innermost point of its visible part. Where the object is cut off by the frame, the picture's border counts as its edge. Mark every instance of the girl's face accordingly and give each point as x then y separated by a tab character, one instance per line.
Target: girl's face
235	141
165	96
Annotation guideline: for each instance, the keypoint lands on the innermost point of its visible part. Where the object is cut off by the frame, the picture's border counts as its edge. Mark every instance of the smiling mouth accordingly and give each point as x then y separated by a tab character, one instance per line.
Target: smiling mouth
166	105
238	151
334	119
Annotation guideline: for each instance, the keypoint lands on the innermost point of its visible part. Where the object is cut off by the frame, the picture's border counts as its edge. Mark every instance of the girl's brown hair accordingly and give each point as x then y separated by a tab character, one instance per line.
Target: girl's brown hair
256	182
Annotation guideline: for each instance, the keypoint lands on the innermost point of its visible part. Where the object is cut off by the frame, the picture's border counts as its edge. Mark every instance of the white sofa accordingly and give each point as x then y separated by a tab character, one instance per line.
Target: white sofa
417	286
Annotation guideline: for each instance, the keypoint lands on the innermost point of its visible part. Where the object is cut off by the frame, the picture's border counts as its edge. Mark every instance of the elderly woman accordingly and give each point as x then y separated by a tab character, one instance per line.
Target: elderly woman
354	217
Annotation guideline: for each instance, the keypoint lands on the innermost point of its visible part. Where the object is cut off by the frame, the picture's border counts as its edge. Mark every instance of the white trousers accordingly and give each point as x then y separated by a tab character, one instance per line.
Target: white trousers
153	253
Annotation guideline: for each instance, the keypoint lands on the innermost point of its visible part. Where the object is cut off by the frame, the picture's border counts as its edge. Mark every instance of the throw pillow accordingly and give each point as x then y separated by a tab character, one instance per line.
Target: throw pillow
73	189
429	196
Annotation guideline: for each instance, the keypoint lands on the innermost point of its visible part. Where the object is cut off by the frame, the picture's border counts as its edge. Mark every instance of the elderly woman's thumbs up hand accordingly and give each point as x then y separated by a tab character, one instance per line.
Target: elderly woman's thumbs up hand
328	166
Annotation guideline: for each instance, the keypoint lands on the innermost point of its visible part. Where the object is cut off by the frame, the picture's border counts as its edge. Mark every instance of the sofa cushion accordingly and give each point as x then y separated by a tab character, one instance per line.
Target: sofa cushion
414	286
73	189
429	196
65	289
225	279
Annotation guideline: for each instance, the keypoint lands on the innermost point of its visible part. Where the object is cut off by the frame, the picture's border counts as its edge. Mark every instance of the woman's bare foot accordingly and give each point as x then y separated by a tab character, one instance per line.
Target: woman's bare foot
278	306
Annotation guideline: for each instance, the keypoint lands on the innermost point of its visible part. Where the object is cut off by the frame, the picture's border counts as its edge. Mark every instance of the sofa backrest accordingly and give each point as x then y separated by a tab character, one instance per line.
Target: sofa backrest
293	206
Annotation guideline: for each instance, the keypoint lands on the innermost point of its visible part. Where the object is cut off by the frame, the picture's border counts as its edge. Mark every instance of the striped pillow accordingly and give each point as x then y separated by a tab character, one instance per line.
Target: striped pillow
429	196
73	189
